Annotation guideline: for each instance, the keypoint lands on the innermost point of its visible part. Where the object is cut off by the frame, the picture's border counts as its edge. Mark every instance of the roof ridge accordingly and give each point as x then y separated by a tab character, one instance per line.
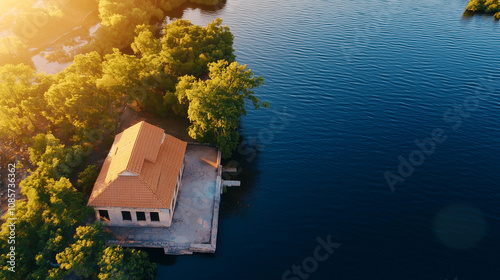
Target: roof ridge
134	146
106	185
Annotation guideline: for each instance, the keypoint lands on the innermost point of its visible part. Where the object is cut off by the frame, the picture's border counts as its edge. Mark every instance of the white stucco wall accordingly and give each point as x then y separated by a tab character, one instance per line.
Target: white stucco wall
116	219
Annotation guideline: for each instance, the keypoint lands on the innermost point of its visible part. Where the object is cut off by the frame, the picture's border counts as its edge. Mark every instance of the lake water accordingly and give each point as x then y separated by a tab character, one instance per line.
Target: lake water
352	86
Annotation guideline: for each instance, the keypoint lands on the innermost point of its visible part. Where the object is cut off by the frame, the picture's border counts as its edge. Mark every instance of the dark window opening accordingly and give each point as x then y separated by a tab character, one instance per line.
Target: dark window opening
141	216
104	215
126	216
155	217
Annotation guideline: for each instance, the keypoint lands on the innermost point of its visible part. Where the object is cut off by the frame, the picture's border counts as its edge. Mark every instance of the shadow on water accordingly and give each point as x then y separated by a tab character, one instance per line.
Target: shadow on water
469	15
179	13
158	256
204	9
246	161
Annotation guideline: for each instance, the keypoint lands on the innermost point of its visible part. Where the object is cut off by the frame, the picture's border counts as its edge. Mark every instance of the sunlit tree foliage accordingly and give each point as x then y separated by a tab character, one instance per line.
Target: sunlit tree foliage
216	104
484	6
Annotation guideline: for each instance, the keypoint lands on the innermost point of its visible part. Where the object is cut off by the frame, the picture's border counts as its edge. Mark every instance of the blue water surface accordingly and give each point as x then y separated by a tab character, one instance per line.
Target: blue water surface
352	86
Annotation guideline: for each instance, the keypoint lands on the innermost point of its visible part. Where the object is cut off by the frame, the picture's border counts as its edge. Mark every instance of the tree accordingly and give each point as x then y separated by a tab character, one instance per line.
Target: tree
14	51
89	258
76	104
187	49
22	103
181	104
484	6
30	19
216	104
118	22
53	158
46	247
150	76
145	42
44	224
27	224
79	258
120	18
138	79
125	264
87	178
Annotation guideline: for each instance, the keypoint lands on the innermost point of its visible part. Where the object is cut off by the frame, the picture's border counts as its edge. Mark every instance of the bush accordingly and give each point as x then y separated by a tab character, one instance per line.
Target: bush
484	6
87	178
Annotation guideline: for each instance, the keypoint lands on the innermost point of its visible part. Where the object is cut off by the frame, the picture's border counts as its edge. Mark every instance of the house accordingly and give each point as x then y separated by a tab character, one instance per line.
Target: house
139	180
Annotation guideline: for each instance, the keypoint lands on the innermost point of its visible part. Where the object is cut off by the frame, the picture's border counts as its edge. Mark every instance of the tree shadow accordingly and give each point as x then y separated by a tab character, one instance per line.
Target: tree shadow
245	160
468	15
205	9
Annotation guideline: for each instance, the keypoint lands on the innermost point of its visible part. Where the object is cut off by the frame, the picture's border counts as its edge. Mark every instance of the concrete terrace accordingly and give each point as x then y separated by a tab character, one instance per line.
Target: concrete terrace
195	221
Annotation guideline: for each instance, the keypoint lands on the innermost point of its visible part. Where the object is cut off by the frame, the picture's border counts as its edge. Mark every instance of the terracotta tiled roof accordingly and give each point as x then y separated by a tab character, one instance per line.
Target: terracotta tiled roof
140	170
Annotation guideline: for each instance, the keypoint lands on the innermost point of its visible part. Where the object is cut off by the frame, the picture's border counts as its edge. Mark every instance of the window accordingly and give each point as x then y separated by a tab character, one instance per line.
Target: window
155	217
104	215
141	216
126	216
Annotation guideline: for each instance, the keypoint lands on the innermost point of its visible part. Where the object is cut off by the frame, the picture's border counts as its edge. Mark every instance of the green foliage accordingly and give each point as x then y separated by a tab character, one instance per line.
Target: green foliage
87	178
150	76
45	246
216	104
43	226
119	19
118	22
75	101
53	209
47	150
22	103
125	264
140	79
14	51
70	103
484	6
187	49
80	105
181	103
53	158
31	19
79	259
88	258
145	42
